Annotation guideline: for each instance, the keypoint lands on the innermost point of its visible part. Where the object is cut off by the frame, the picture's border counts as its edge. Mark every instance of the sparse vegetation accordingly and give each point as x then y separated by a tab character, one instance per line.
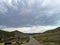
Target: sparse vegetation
51	37
14	36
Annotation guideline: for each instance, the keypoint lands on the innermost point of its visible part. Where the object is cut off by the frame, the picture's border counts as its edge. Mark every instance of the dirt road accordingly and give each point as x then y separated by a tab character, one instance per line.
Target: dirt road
32	42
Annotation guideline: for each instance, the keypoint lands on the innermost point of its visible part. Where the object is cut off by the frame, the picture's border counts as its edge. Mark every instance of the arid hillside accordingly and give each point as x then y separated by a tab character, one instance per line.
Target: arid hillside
51	37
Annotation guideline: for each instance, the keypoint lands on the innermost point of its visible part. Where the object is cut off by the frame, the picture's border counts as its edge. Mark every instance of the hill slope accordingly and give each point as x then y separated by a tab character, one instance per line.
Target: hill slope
4	36
51	37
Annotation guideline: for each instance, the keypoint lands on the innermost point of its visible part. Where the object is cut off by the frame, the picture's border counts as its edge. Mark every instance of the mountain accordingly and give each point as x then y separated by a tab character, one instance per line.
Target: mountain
13	36
51	37
53	31
17	32
3	34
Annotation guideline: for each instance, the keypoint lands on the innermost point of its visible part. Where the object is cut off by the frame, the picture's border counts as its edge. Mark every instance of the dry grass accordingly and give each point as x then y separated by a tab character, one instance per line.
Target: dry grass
1	43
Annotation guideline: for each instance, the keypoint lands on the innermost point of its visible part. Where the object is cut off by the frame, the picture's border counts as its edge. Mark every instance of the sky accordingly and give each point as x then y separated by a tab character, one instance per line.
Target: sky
29	16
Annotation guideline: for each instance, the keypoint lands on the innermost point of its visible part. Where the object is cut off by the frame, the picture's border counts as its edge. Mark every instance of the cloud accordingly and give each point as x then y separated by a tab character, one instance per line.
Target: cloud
23	13
33	29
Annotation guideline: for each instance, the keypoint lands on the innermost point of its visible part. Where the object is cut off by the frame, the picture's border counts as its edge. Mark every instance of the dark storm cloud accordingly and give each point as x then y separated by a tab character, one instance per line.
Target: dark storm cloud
18	15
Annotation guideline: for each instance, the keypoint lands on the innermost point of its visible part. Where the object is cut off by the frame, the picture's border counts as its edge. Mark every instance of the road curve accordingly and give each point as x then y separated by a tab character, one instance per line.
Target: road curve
32	42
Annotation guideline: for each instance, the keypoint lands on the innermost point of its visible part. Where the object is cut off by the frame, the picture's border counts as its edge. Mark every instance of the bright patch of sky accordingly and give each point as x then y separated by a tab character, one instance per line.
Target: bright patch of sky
33	29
